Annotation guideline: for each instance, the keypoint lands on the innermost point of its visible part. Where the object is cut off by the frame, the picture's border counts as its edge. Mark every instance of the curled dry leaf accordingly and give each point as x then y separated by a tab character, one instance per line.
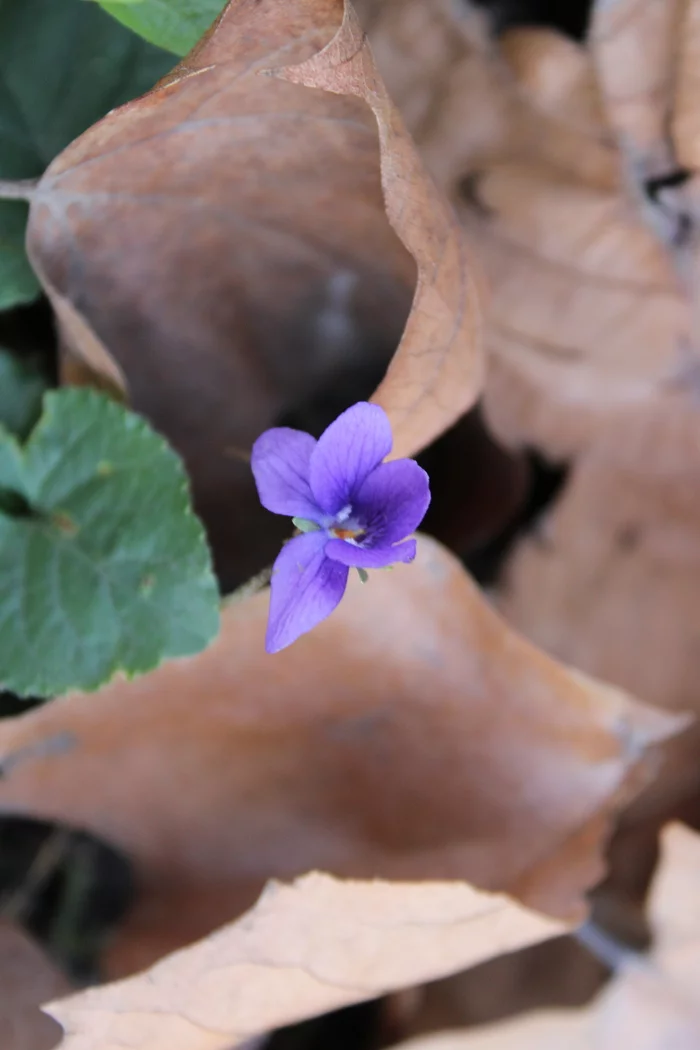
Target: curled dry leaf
586	314
225	239
410	736
436	372
27	980
650	1005
306	948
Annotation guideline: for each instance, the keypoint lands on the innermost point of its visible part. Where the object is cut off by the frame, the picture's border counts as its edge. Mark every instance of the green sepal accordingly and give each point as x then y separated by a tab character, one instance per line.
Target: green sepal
304	525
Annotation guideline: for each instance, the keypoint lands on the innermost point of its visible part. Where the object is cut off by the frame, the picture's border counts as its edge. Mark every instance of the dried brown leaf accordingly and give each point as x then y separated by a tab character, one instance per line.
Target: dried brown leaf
436	373
225	239
565	123
303	949
411	736
557	973
686	112
651	1005
610	579
585	317
27	979
635	46
469	102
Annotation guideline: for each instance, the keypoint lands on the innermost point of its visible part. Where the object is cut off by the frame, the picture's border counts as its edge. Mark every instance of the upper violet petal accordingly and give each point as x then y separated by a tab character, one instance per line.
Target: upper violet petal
281	462
305	588
392	502
346	452
370	557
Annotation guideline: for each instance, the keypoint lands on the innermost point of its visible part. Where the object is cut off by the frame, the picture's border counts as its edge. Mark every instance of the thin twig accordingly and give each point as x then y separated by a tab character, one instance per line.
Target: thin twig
605	948
17	189
51	854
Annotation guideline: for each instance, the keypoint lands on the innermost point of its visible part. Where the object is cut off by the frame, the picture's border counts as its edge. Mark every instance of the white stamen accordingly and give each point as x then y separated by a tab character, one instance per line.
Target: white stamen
343	514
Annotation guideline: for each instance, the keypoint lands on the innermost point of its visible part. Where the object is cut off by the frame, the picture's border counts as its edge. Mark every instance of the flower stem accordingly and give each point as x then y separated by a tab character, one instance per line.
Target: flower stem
249	588
605	948
18	189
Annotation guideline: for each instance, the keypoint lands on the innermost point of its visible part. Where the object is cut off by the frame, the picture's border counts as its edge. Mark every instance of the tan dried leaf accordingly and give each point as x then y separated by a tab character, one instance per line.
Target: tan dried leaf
635	47
410	736
587	315
585	318
469	102
650	1005
610	580
436	373
547	143
306	948
686	112
226	239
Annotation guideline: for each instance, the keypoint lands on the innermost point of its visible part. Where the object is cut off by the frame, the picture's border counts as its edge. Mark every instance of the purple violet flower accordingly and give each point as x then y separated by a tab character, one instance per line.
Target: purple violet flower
353	510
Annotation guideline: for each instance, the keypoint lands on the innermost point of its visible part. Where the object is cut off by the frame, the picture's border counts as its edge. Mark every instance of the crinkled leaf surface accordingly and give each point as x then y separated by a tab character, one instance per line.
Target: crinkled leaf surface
531	135
63	65
238	262
410	736
22	386
103	566
176	25
302	950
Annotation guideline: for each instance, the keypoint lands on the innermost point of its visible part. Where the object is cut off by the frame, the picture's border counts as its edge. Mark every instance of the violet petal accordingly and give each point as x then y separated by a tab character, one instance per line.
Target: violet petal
306	586
370	557
346	452
280	461
392	502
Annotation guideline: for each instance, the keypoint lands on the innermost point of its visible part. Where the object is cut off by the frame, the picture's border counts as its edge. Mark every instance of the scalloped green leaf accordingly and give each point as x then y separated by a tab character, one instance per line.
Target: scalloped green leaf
63	65
104	567
176	25
22	386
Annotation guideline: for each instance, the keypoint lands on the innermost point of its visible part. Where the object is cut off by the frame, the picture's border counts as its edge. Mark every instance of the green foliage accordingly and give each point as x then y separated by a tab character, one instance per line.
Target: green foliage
18	283
174	24
103	565
22	386
63	65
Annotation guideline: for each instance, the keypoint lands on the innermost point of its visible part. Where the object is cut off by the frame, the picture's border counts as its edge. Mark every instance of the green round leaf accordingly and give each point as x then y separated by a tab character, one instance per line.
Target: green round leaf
103	565
63	65
22	386
18	282
173	24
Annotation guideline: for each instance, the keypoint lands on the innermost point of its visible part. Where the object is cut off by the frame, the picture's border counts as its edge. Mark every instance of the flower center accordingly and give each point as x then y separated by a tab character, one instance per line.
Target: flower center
344	528
345	534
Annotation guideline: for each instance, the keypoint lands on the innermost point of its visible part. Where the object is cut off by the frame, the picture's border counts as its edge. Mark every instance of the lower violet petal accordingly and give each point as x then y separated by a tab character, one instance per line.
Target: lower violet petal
369	557
306	586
